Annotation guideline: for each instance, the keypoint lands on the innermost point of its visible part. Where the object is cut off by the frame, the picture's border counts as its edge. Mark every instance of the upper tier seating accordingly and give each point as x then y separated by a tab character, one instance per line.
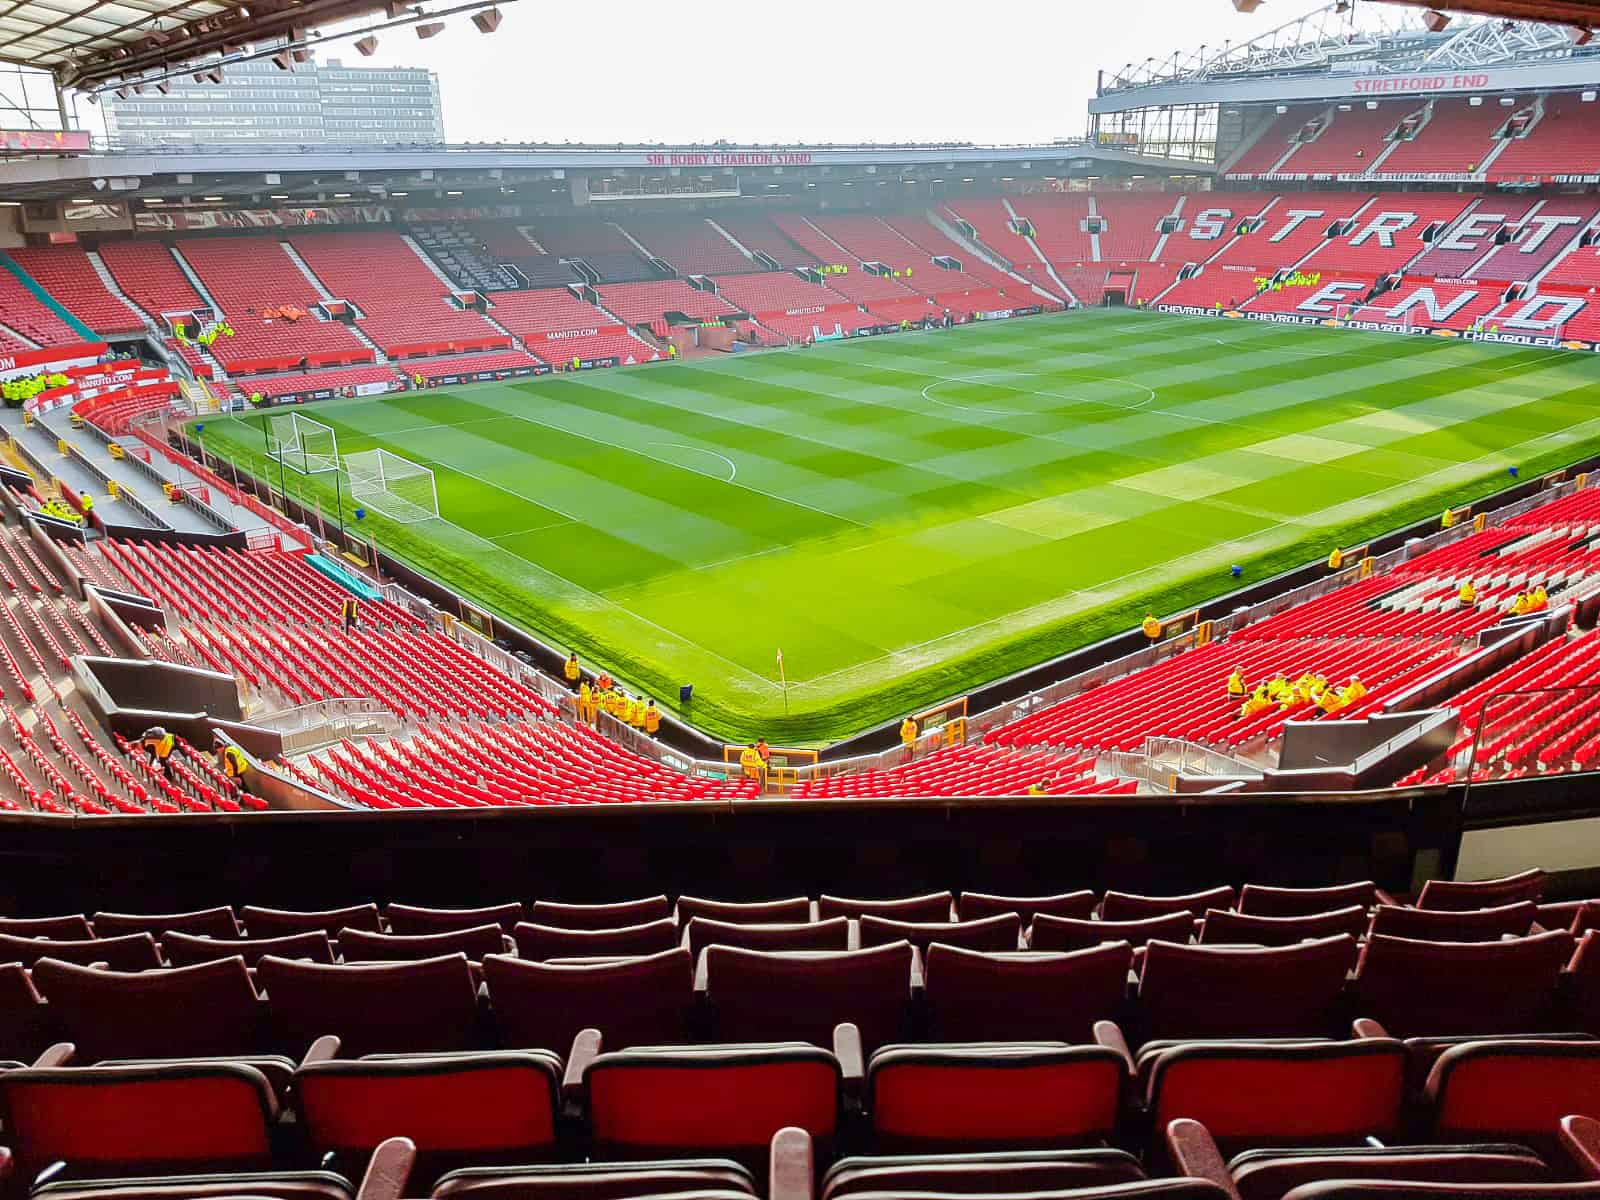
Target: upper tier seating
691	244
403	305
68	275
150	276
248	276
1273	143
599	243
1454	141
464	256
1296	225
1564	142
1349	144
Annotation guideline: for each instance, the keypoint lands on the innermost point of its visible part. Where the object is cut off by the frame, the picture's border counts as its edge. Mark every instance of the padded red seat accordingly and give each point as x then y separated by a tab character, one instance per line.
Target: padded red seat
357	945
832	934
1472	925
1231	991
488	1106
204	1010
975	906
935	906
373	1007
1070	933
209	922
721	1179
993	1095
1014	1172
542	942
600	916
73	927
277	922
130	952
763	912
185	950
720	1100
410	919
991	933
1125	906
977	997
1488	893
1224	927
1447	989
758	996
1513	1091
172	1116
1583	984
631	1001
1396	1189
1258	900
264	1185
1321	1093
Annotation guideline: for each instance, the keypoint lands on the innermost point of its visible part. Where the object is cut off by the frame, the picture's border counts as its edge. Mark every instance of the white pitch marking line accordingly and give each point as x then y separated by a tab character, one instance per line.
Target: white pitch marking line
733	471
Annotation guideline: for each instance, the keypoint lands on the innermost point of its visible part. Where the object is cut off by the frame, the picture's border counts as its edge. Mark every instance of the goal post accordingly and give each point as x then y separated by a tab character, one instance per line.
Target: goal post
301	444
1345	314
398	488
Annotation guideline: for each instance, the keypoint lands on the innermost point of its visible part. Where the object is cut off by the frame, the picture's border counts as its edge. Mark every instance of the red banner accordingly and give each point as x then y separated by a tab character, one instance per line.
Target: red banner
64	356
43	141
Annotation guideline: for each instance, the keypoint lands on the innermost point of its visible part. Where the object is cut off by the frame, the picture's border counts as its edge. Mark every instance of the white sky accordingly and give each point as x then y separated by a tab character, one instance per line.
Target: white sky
808	71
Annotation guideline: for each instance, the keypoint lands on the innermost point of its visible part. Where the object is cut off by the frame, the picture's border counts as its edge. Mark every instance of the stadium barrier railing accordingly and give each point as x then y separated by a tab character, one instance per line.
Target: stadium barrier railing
324	722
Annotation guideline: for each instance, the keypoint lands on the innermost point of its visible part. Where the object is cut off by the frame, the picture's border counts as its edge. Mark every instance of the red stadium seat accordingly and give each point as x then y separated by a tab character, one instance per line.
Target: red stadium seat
833	934
540	942
631	1001
1068	933
1002	932
409	919
373	1008
600	916
1230	991
357	945
761	996
274	922
976	997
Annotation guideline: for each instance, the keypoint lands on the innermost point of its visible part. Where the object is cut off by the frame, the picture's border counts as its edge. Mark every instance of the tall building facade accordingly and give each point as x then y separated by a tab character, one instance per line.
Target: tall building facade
312	104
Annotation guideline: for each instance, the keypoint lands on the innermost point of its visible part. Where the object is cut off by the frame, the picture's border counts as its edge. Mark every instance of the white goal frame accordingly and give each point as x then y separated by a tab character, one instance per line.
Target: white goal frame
301	444
1343	312
387	483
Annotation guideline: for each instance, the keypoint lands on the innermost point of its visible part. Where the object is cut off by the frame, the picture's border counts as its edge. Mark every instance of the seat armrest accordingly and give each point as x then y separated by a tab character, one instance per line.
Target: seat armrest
586	1048
323	1049
58	1055
847	1049
1365	1027
1109	1035
1194	1153
1379	896
6	1165
1580	1138
389	1170
791	1171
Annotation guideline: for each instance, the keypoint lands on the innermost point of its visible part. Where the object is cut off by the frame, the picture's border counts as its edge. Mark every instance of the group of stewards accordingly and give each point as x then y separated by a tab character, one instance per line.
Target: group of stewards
605	696
1535	599
160	743
1283	693
755	760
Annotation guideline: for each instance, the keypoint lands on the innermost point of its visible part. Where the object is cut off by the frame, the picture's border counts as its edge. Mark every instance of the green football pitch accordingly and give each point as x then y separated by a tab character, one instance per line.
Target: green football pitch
910	516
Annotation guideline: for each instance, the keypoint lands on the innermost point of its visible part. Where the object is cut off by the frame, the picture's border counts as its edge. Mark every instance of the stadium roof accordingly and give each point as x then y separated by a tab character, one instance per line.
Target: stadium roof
1582	13
88	44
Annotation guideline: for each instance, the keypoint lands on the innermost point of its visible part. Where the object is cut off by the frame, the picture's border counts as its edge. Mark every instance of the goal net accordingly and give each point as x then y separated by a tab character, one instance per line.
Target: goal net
396	487
1372	314
301	444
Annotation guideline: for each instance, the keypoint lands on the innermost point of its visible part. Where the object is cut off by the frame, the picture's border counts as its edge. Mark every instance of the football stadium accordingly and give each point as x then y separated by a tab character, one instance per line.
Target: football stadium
799	668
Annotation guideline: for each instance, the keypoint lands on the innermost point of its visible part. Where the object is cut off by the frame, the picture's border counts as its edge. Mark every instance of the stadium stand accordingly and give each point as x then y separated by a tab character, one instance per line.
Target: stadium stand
1273	143
251	277
601	244
1540	237
756	233
1057	220
1387	235
1564	135
150	276
1472	236
1291	229
1350	142
463	365
23	313
403	306
1453	140
68	275
921	231
1132	222
556	326
301	382
465	256
693	246
648	303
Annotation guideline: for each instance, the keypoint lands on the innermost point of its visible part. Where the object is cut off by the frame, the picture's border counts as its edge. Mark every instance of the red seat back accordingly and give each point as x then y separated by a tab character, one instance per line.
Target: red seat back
1260	901
989	1095
974	906
185	950
1446	894
373	1007
73	927
1515	1090
600	916
277	922
410	919
833	934
1070	933
1126	906
632	1002
130	952
541	942
1445	925
208	922
991	933
762	912
1223	927
358	946
934	906
977	997
764	997
1231	991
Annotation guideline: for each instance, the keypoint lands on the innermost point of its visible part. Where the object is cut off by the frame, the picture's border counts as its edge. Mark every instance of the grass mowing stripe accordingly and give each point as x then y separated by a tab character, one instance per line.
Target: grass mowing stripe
981	543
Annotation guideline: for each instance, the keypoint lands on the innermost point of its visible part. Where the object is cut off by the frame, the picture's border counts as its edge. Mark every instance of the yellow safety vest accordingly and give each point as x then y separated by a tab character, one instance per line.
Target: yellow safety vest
572	670
908	731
